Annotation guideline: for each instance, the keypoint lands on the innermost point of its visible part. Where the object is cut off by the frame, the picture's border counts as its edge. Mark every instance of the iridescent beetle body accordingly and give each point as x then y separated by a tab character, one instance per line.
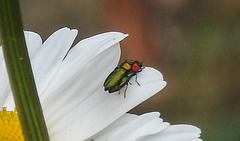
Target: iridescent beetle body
121	75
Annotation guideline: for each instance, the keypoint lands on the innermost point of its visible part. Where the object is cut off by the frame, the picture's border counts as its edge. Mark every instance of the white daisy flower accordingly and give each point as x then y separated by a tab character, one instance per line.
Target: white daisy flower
74	103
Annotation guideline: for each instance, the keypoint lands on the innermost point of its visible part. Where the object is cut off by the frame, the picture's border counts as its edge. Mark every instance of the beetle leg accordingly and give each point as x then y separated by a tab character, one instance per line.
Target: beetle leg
125	91
130	83
137	81
119	89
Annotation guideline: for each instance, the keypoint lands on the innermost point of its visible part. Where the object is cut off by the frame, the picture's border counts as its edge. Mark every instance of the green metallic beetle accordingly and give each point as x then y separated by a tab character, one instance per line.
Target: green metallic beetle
121	75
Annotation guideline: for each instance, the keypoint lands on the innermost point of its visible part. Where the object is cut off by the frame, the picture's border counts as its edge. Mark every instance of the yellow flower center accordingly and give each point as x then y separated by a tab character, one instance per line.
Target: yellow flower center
10	129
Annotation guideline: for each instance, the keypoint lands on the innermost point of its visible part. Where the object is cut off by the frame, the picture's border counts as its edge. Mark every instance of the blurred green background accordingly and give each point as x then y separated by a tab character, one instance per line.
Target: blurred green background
195	44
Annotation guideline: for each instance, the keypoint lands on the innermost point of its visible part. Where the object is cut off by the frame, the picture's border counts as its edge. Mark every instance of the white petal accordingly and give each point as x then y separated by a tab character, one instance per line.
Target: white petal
176	133
132	127
47	60
86	81
33	42
79	88
78	60
4	82
101	108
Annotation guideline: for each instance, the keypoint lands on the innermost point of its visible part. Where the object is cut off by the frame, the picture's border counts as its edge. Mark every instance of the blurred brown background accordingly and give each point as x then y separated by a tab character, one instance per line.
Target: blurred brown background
195	44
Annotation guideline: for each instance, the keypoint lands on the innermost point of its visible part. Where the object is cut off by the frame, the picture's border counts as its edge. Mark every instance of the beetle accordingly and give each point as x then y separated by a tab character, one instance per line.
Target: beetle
121	75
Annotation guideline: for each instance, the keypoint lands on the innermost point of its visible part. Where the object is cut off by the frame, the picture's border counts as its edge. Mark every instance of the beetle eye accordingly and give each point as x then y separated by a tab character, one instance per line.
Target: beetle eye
135	67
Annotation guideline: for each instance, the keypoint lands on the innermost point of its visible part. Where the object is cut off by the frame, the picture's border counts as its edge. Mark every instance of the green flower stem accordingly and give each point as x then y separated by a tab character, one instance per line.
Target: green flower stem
20	73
